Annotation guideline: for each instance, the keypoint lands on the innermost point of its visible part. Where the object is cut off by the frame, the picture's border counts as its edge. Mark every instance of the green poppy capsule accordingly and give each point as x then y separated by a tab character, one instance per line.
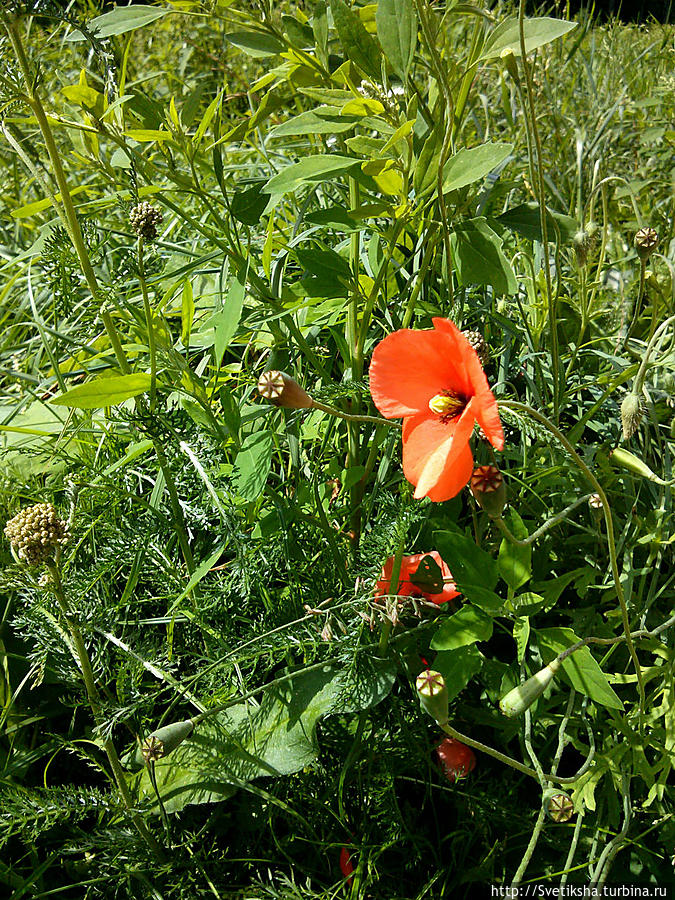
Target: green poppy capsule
522	697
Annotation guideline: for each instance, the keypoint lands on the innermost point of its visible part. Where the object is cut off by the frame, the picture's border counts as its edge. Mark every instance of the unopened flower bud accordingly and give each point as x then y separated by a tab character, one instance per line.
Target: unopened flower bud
144	219
433	694
522	697
632	411
282	390
632	463
646	241
36	533
558	805
165	740
507	56
487	486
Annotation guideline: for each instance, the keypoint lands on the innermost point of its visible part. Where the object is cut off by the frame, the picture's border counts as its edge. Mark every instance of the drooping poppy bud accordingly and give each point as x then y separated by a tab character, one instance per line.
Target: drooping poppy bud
558	806
632	411
646	241
522	697
282	390
508	58
487	486
456	759
634	464
433	694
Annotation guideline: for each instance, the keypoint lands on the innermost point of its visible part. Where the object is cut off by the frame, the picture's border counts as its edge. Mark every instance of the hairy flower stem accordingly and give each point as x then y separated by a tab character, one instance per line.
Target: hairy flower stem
356	364
611	544
534	839
541	199
68	207
95	705
530	539
140	246
349	417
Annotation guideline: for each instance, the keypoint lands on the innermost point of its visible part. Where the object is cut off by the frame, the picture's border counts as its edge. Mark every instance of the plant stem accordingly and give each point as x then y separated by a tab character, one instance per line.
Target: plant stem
530	539
375	420
611	545
148	320
534	839
95	705
393	589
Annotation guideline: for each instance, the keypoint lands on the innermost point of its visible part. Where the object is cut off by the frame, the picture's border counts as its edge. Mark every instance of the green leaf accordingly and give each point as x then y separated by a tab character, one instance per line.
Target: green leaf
252	464
316	121
202	569
104	391
120	21
581	667
359	46
311	169
469	564
187	312
515	563
521	635
528	604
256	43
425	176
226	321
324	263
458	667
248	206
469	166
478	256
397	33
467	626
276	738
525	220
538	31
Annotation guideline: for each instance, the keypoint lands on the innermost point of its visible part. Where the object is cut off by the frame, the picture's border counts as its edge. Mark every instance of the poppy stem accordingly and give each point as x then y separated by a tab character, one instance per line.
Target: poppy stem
609	524
530	539
387	625
350	417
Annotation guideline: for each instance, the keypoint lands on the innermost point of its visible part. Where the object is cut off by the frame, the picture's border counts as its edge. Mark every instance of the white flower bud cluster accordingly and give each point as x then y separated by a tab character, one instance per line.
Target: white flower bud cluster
36	533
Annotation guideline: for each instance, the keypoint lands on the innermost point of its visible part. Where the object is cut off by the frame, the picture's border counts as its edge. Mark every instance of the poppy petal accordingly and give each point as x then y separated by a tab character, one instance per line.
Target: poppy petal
410	367
487	415
437	458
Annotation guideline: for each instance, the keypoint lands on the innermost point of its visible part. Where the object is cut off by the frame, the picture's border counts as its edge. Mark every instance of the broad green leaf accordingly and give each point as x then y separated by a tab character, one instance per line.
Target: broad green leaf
146	135
359	46
363	106
478	257
276	738
469	166
581	667
256	43
525	220
469	564
337	217
253	464
397	33
248	206
323	263
515	562
425	176
28	438
311	169
226	321
316	121
521	635
104	391
538	31
467	626
528	604
120	21
458	667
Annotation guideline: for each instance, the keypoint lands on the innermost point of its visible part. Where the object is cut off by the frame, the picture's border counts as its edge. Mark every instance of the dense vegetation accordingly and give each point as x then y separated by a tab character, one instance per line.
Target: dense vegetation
200	194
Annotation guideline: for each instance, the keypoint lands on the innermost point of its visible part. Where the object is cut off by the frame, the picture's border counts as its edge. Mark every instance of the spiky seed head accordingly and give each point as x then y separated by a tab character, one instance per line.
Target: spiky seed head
36	532
433	695
646	241
488	488
144	219
479	344
632	411
558	806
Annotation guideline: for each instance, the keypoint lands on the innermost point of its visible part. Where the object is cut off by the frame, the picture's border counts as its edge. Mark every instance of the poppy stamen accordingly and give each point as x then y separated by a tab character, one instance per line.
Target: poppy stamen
447	405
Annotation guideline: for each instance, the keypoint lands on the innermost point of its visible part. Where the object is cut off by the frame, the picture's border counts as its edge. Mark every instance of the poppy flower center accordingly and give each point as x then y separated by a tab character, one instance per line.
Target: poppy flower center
447	405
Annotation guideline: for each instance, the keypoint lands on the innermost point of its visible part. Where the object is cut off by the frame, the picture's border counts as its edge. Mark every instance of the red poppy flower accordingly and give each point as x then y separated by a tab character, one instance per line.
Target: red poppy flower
406	588
435	381
346	864
456	759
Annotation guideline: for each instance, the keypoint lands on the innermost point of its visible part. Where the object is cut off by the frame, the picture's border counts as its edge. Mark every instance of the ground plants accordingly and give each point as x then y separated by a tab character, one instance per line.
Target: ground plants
336	373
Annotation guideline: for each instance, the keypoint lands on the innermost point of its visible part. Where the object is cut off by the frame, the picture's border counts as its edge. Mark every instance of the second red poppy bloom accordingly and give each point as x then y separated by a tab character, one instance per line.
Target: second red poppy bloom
435	381
407	587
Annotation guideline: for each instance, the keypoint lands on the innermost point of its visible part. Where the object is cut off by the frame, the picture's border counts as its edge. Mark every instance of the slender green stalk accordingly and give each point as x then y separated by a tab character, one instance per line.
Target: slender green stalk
140	246
534	840
530	539
387	625
349	417
95	705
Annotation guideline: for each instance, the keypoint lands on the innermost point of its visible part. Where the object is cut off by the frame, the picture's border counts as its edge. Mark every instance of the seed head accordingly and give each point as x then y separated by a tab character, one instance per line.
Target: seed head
646	241
558	805
479	344
282	390
487	486
144	219
36	533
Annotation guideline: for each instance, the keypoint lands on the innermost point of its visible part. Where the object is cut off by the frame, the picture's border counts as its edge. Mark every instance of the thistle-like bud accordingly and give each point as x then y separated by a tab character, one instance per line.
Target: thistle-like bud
479	344
433	694
522	697
646	241
627	460
632	410
558	806
487	486
144	219
36	533
282	390
165	740
584	242
508	58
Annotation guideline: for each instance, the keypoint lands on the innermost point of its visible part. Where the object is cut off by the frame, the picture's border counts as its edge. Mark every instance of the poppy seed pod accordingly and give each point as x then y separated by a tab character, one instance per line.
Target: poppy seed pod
522	697
433	694
646	241
632	411
558	806
487	486
165	740
282	390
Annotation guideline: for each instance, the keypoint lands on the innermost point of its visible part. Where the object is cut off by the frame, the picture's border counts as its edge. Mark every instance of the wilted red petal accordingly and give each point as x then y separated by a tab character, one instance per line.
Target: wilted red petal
406	588
346	865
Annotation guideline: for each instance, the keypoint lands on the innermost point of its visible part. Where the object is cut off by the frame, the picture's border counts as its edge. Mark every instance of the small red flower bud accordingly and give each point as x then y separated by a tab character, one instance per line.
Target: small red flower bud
456	759
282	390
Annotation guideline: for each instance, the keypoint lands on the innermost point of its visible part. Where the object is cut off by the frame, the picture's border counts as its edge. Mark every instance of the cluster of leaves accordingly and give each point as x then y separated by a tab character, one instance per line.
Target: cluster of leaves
326	176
